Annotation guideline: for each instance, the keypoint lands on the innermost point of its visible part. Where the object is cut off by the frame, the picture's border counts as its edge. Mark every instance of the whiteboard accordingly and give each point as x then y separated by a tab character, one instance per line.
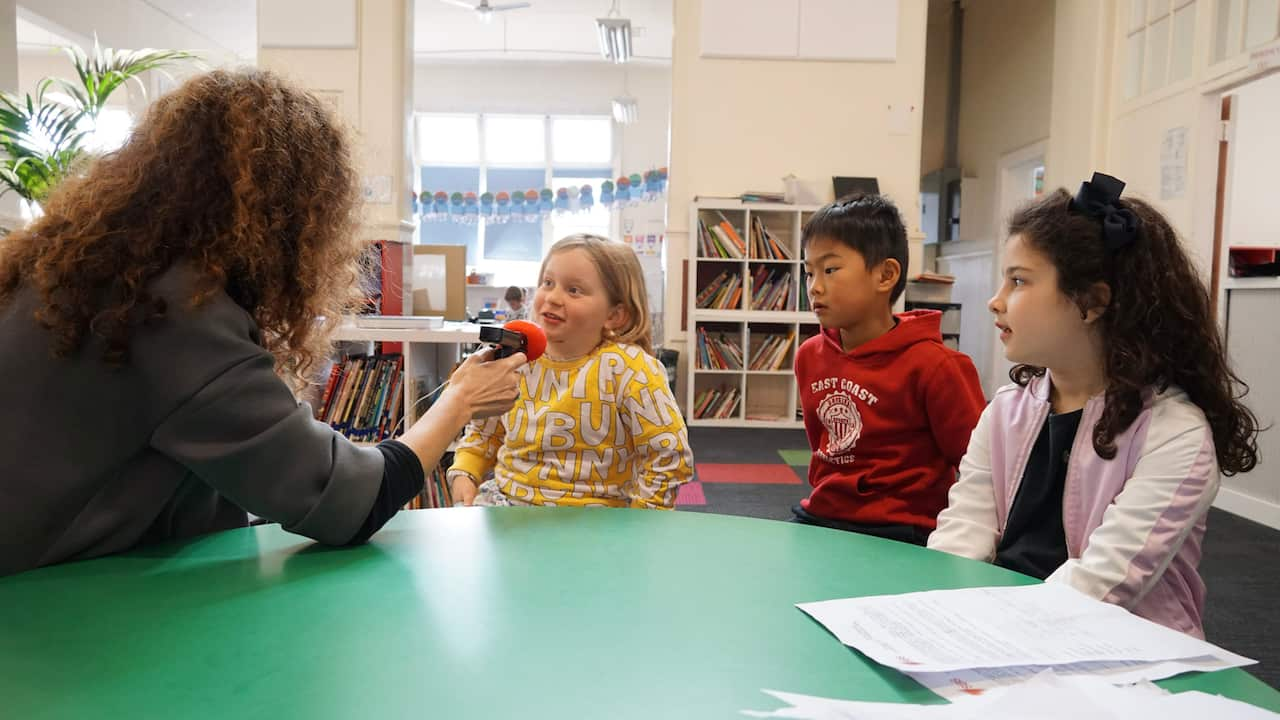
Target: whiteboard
750	28
845	30
849	30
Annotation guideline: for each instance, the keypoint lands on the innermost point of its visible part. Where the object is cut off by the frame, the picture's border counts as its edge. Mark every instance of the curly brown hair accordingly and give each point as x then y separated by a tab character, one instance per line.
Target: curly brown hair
242	176
1157	330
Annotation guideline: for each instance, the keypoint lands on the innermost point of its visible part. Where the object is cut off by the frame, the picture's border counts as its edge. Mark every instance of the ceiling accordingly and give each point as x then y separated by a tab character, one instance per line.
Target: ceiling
233	24
550	30
31	36
227	29
224	30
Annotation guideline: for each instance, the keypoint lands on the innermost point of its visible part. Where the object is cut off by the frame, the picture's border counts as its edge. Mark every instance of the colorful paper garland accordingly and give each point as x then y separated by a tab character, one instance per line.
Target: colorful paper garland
535	205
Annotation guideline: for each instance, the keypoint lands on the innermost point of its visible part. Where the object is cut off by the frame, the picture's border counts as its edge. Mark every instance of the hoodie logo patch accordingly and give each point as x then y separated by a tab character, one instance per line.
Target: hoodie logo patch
843	422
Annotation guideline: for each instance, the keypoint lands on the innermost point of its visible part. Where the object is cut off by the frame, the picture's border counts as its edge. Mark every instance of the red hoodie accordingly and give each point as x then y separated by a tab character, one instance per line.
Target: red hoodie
887	422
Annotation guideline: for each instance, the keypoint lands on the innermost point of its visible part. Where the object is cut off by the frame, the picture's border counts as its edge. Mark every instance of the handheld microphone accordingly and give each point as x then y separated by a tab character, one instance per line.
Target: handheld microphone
516	336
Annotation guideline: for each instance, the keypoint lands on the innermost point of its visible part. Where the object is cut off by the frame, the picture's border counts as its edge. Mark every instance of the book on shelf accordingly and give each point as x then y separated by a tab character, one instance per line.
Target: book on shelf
720	240
435	491
717	403
764	245
772	352
724	292
718	352
771	288
364	397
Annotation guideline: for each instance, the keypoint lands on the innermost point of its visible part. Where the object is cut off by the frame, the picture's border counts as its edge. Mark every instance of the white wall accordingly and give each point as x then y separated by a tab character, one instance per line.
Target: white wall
1134	157
35	65
1006	76
937	88
133	24
743	124
369	85
9	214
8	46
1081	100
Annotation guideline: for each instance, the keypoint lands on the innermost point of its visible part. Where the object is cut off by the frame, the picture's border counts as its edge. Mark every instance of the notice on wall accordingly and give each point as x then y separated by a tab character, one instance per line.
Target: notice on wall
1173	163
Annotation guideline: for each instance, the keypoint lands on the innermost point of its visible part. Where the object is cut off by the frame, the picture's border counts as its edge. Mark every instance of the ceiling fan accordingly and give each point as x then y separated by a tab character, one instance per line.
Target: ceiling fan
484	11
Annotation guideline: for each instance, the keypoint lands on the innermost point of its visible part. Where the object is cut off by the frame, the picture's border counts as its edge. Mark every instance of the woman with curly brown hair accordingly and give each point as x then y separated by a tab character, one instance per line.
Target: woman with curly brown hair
1097	467
157	313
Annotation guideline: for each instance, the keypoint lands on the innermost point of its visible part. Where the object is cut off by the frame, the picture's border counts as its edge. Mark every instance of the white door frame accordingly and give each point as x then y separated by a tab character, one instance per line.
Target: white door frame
1008	199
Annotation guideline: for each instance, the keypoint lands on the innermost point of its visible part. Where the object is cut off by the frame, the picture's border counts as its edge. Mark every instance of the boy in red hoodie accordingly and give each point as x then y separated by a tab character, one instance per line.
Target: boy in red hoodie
887	407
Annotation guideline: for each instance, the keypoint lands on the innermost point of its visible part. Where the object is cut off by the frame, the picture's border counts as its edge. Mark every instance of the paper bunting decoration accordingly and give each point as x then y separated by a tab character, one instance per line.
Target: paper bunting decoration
534	205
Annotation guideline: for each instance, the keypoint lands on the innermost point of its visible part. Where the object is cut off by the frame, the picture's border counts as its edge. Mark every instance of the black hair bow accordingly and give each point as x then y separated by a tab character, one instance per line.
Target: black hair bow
1100	198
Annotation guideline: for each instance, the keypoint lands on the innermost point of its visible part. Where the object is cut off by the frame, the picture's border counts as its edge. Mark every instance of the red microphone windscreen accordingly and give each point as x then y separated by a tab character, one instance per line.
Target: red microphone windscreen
534	339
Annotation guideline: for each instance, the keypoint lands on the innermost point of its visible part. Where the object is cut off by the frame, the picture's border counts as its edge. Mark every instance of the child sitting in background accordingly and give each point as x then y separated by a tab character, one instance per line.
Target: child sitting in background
887	407
1097	467
596	423
515	302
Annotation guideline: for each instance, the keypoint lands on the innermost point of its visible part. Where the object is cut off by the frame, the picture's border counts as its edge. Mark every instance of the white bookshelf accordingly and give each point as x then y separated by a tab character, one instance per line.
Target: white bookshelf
767	397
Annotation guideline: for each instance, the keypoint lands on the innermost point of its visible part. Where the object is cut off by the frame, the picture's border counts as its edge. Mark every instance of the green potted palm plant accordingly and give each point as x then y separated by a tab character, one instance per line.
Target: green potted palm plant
42	136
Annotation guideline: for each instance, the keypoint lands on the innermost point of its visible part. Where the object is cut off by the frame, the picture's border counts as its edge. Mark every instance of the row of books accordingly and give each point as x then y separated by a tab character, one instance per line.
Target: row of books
724	292
364	397
771	289
717	403
718	352
720	240
435	492
770	352
764	246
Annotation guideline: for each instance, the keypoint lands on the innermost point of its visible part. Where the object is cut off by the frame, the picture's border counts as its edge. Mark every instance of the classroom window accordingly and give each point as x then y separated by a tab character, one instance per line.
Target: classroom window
519	241
1184	26
512	153
109	130
582	141
1158	44
448	139
463	179
595	222
1260	23
1241	25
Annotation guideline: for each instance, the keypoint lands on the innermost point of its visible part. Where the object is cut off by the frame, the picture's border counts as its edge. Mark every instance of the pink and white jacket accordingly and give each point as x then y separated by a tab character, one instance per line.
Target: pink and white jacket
1134	523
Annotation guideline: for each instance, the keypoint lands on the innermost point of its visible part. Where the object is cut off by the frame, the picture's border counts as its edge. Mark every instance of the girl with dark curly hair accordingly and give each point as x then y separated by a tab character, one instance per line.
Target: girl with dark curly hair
155	317
1097	467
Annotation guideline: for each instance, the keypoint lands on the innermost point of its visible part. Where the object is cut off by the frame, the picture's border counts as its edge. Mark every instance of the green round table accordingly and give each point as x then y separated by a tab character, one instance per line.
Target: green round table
485	613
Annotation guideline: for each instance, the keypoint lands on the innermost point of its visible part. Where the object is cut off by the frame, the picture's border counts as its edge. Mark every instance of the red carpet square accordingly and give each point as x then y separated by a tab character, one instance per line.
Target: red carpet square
690	493
749	474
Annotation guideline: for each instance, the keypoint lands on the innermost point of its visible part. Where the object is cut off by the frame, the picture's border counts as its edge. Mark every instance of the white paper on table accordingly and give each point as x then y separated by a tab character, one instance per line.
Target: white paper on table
964	684
812	707
1045	696
1044	624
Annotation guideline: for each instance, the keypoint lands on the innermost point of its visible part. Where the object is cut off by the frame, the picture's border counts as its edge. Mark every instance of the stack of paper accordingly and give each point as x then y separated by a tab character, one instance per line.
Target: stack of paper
963	642
1044	696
